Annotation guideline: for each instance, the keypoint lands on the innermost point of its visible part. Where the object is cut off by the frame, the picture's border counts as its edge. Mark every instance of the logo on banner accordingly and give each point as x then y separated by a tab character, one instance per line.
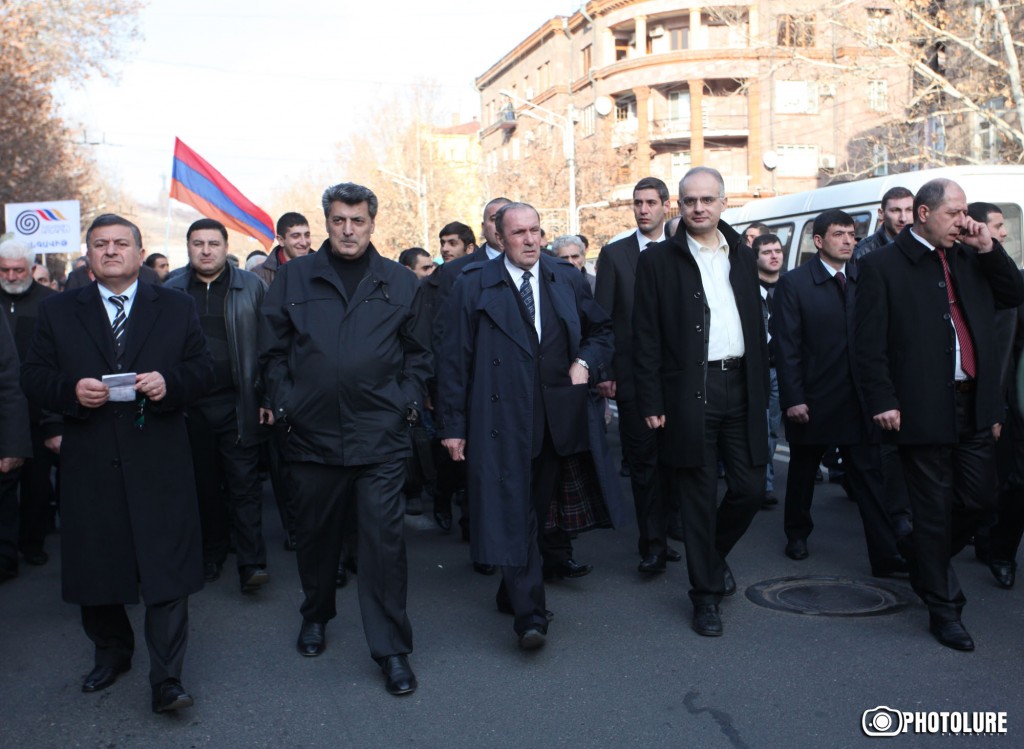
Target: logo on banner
27	222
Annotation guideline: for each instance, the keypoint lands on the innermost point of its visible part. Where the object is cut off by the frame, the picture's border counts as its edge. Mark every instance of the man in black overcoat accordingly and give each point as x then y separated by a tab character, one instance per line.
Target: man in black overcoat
15	446
525	343
812	329
616	284
700	364
129	514
927	349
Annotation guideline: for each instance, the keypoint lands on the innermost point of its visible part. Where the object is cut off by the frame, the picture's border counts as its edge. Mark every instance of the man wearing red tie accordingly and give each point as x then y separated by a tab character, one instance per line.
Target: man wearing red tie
930	373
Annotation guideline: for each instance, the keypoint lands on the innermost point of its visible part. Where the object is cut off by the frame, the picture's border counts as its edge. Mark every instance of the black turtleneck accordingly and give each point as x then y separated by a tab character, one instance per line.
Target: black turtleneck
350	272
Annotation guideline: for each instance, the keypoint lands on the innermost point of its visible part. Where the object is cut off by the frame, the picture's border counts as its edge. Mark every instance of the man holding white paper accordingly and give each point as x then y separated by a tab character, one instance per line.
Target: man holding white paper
128	504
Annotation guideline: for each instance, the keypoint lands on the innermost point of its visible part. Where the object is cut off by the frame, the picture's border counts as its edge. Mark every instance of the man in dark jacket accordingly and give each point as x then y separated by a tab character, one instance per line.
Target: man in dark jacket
812	329
15	446
895	212
224	425
929	363
20	297
700	365
346	374
524	338
129	515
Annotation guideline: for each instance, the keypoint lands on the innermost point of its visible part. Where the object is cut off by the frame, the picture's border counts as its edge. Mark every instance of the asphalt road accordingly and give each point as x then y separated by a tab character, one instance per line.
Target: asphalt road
622	668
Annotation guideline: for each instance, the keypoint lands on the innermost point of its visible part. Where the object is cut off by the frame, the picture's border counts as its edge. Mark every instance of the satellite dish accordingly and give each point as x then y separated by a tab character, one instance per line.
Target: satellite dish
603	105
770	159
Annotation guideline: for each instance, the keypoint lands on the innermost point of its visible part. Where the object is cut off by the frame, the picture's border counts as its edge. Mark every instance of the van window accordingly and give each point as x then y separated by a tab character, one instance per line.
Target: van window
1014	225
785	234
861	224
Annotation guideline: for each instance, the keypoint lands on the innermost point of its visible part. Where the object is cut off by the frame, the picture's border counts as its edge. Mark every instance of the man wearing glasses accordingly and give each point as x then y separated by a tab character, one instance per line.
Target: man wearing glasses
700	364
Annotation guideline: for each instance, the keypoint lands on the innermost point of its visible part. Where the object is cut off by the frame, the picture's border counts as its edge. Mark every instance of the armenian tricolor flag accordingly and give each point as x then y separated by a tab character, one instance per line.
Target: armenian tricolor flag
195	182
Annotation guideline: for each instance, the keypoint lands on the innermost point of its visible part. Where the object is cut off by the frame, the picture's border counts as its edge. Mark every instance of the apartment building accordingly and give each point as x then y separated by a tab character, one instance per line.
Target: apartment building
779	96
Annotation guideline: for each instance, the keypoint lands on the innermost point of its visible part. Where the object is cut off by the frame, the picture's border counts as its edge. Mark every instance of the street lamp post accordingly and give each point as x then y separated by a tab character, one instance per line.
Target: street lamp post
566	123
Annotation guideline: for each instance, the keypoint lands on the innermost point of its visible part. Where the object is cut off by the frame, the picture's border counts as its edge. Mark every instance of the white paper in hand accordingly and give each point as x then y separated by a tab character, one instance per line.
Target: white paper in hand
122	386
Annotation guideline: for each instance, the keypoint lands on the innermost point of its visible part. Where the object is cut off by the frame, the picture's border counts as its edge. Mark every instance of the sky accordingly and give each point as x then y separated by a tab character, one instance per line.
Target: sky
265	90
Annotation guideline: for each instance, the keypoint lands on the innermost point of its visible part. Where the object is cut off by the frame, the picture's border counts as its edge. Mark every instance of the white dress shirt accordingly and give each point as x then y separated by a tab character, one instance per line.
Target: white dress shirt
109	307
517	279
643	241
725	338
491	252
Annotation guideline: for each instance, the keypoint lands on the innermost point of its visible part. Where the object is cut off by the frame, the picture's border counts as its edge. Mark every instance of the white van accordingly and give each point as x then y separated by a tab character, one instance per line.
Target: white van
791	217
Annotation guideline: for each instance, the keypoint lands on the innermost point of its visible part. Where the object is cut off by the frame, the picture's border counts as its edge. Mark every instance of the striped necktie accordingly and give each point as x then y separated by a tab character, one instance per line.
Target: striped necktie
526	292
120	322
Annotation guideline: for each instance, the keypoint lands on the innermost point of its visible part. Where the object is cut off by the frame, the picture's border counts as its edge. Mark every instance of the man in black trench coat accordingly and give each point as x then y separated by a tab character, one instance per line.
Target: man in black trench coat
129	513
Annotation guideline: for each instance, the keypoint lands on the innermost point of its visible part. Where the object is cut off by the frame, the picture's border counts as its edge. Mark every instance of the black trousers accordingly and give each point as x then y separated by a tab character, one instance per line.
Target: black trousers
228	484
711	529
523	586
863	465
640	448
324	496
1007	527
36	494
279	479
950	487
9	512
166	637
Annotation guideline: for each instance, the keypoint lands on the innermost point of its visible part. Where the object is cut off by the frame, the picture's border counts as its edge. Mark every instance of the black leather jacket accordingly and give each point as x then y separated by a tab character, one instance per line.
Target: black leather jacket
241	316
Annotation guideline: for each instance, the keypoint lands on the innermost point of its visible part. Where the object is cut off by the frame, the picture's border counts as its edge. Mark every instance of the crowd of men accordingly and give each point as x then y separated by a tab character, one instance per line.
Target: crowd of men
356	381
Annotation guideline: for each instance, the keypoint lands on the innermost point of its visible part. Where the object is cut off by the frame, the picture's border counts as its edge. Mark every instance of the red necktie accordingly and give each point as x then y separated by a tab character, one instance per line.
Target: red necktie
841	279
963	333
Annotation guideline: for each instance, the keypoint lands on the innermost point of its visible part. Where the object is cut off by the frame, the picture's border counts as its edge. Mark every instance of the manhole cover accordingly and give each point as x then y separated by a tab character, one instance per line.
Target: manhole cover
827	596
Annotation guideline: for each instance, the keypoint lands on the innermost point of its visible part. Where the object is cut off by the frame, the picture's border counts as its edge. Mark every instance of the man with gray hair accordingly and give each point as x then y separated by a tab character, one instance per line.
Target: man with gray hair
20	297
345	373
570	247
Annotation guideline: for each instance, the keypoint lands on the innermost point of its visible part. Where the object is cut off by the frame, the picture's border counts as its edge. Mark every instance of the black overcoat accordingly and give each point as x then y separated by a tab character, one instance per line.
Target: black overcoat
616	282
129	512
486	396
904	339
812	326
670	344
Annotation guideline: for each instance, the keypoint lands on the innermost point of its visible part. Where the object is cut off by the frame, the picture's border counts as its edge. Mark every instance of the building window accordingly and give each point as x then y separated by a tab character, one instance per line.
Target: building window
879	28
625	109
621	48
587	58
880	158
878	96
680	165
588	122
796	31
798	161
796	97
679	38
679	105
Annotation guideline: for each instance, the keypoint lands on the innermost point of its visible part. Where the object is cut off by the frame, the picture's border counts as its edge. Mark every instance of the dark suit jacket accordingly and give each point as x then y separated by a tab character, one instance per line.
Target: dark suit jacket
812	327
616	281
129	512
14	426
670	344
905	343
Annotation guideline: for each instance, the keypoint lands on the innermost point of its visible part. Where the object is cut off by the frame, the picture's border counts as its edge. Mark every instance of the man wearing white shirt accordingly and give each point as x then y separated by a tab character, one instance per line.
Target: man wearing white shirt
700	366
615	292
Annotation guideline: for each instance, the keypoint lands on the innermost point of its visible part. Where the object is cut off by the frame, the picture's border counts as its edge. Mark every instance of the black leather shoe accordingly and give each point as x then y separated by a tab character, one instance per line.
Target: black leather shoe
890	567
671	555
253	578
413	505
951	634
532	639
312	638
35	557
730	583
169	695
399	676
443	520
797	549
341	577
706	620
1005	573
211	571
289	541
769	501
484	569
102	677
652	564
567	568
